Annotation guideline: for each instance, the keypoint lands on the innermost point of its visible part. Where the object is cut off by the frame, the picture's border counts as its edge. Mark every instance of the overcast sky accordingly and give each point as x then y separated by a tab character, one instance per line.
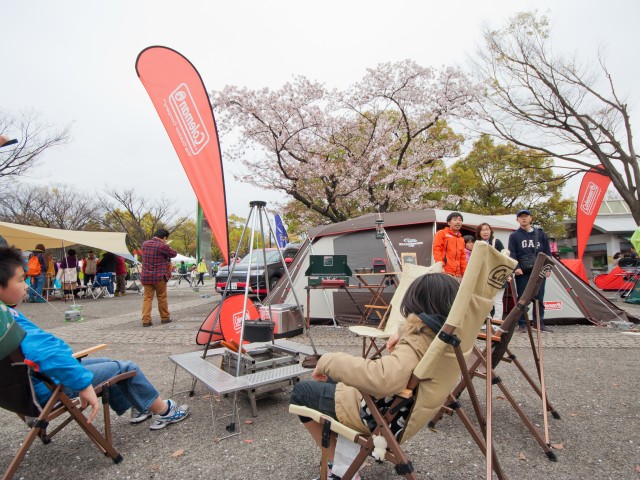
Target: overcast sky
73	62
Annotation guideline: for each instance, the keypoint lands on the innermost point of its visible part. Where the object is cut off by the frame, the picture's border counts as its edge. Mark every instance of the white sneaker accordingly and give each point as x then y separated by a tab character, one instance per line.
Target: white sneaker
176	414
137	417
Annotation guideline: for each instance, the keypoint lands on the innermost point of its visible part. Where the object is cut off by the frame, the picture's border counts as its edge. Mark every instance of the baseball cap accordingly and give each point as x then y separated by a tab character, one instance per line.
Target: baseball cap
521	212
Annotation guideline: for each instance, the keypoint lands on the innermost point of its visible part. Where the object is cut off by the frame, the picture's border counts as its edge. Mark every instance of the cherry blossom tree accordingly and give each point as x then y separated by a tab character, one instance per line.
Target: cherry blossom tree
371	147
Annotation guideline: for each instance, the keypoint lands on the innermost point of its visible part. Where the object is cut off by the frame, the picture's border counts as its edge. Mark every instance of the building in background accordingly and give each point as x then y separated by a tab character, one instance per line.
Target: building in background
611	231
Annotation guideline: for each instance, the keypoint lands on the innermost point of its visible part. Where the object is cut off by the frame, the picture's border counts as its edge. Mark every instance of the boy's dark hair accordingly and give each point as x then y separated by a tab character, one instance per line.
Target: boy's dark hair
431	294
161	233
10	259
469	238
453	215
71	252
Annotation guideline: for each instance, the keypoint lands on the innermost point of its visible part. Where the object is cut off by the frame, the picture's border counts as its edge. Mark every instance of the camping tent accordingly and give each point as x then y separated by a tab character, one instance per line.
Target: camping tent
409	232
182	258
26	237
413	232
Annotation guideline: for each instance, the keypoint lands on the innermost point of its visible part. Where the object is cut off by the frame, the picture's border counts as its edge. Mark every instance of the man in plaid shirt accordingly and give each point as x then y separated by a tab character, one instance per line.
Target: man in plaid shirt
156	268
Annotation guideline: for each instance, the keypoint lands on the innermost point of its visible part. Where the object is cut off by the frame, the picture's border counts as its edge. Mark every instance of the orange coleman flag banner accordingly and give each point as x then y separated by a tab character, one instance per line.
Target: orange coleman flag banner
180	97
592	189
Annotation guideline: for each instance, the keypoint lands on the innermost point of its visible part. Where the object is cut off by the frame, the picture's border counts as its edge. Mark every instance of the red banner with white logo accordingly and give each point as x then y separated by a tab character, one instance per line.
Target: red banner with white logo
592	190
180	98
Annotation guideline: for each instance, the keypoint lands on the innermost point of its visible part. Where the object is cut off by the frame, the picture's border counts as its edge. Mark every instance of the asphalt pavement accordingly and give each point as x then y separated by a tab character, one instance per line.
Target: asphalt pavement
591	375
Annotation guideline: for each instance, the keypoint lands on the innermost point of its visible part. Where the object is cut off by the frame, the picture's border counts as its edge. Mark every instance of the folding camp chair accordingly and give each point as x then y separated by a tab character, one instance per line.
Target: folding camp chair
392	317
436	374
103	286
630	274
500	338
17	395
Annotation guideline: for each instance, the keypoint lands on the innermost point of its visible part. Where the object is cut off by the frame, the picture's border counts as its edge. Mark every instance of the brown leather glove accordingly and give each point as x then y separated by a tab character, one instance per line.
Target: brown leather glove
310	361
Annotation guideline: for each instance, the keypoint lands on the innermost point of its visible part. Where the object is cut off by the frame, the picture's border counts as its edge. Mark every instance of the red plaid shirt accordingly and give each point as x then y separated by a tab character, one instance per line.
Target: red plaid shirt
155	261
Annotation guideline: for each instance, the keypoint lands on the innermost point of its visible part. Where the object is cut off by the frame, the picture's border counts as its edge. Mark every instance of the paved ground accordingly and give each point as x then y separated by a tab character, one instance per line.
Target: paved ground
592	379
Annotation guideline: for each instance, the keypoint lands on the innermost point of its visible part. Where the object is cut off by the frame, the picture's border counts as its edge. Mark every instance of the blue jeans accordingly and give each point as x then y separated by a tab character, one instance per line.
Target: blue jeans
35	292
136	391
521	284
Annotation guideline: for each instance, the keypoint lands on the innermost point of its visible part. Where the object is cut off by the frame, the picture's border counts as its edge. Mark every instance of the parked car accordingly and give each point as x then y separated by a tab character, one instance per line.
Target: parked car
257	280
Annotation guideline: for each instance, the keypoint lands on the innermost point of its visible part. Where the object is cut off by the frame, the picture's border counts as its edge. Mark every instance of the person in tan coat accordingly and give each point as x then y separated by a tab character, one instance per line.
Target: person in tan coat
339	377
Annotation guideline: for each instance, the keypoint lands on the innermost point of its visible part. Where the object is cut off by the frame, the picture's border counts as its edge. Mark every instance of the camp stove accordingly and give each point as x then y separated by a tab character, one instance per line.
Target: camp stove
259	357
328	271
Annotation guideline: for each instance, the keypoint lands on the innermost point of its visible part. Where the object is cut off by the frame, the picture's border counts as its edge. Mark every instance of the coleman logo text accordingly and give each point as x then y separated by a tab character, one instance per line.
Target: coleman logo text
588	201
188	117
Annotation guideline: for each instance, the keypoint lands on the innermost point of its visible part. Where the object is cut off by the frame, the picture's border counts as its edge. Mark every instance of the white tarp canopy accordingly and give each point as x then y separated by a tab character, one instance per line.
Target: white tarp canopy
26	237
182	258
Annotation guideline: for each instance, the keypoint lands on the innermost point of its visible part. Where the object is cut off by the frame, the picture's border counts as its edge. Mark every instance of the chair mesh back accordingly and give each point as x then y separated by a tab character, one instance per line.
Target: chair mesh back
16	392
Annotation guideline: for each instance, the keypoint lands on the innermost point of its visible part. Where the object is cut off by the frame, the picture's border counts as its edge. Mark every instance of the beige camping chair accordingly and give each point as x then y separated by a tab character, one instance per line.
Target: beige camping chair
392	316
437	373
503	331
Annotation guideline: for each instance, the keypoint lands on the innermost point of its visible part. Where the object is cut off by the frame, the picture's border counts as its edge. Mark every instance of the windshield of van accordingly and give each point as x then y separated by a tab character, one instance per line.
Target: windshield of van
256	258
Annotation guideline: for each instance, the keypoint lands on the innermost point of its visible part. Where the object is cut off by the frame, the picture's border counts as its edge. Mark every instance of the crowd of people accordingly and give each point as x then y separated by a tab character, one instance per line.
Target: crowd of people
75	275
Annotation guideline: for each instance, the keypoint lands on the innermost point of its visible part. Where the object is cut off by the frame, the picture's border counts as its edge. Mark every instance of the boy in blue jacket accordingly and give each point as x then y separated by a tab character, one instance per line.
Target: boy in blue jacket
50	355
524	246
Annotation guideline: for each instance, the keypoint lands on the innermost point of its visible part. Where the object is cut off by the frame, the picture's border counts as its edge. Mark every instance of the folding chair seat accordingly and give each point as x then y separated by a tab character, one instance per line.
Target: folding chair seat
435	375
17	395
392	317
103	286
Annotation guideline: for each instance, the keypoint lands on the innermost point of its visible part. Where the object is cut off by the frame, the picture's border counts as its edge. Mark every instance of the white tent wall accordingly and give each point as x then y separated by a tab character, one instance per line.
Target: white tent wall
356	239
361	246
558	302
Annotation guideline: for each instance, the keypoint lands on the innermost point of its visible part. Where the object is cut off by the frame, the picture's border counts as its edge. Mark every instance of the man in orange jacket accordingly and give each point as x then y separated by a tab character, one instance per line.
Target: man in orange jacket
448	247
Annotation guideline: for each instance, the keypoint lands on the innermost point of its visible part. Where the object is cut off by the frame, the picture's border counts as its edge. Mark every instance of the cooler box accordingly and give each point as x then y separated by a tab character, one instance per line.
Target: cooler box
287	319
379	265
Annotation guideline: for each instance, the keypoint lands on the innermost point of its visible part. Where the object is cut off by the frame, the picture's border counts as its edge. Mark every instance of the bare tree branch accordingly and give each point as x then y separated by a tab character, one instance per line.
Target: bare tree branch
552	104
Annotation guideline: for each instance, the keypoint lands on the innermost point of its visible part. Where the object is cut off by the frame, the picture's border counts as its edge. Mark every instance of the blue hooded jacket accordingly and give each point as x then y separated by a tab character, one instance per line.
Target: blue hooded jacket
51	356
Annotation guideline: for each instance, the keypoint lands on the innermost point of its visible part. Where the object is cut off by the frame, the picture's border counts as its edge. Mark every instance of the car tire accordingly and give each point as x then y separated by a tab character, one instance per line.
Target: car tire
272	283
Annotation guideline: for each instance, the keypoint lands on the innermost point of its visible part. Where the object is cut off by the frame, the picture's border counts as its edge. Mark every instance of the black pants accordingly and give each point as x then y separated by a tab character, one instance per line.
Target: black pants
200	279
89	278
320	396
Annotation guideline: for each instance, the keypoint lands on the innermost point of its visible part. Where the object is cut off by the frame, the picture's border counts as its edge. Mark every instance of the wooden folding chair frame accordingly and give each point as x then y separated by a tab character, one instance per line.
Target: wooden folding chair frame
60	403
393	451
477	366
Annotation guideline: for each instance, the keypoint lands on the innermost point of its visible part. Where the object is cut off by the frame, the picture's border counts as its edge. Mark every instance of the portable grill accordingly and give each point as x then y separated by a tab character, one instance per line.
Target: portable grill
328	271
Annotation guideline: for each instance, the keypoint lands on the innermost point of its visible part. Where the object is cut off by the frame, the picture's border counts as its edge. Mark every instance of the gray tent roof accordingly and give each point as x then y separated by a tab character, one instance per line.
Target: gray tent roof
397	219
